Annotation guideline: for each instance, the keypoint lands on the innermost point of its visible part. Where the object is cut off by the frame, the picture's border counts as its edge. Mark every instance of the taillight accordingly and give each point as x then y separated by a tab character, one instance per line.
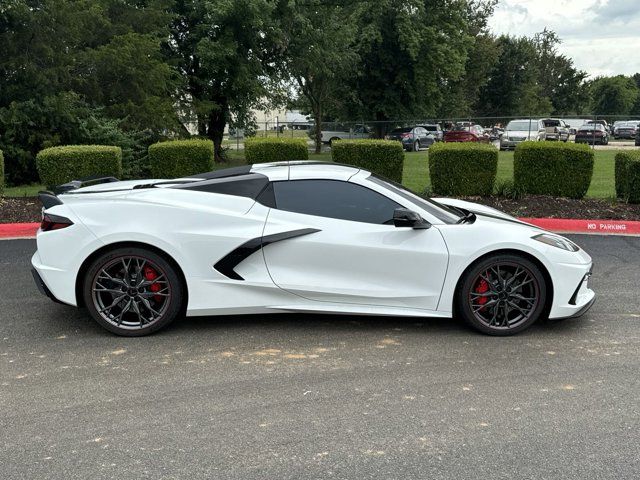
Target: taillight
54	222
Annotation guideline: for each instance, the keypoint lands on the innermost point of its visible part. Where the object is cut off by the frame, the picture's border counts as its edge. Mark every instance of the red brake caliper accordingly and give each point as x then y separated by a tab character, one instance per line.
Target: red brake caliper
482	287
150	274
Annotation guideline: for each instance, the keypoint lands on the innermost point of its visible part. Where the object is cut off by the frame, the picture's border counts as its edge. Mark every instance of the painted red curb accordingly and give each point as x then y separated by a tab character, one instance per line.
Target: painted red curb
18	230
572	225
561	225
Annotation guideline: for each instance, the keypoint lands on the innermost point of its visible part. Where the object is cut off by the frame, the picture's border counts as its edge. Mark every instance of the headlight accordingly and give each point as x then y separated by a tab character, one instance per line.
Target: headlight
556	241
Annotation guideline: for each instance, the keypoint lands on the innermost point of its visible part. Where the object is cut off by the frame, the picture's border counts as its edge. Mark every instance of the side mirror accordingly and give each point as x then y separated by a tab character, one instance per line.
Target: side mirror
403	217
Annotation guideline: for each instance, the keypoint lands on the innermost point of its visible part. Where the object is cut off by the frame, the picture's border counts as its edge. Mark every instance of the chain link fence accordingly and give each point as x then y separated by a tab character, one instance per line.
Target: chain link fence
493	126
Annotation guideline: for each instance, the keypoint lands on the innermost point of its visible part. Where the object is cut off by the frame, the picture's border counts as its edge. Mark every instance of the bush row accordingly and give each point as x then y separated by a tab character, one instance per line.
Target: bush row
57	165
553	168
627	166
180	158
384	157
456	169
278	149
459	169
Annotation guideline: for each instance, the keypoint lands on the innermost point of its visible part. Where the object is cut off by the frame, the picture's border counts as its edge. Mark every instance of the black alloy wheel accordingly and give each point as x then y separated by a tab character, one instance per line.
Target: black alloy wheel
502	295
132	291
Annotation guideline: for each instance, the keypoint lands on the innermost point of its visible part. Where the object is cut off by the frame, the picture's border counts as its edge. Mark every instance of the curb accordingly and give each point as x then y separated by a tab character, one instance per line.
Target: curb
597	227
10	231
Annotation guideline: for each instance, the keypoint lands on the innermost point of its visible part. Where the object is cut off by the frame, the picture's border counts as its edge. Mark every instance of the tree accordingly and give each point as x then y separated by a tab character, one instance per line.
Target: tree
225	52
319	50
636	108
613	95
407	52
67	63
482	54
513	87
559	80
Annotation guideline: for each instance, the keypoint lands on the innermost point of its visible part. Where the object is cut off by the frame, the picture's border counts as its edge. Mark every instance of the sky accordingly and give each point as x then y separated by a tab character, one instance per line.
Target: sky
601	36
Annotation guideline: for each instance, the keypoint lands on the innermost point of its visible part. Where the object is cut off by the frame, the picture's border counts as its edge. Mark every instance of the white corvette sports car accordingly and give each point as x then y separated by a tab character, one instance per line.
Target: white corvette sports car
298	237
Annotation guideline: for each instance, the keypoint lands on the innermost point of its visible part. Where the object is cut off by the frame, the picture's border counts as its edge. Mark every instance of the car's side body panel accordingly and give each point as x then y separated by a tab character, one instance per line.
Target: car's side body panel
354	262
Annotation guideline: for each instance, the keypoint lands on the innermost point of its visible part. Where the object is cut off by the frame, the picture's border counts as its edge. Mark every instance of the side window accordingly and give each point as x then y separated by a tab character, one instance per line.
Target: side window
334	199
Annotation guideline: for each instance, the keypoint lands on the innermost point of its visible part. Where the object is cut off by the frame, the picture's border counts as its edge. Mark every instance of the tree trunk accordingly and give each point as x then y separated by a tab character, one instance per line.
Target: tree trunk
317	126
380	127
215	131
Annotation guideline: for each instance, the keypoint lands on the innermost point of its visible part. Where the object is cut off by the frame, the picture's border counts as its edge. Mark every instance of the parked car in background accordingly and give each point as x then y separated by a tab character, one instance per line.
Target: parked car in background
604	123
625	130
345	133
494	133
592	133
555	129
616	124
466	133
574	124
413	138
435	130
518	131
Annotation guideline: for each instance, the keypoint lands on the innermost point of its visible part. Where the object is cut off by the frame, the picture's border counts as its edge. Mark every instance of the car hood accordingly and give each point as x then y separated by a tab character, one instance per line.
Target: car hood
484	211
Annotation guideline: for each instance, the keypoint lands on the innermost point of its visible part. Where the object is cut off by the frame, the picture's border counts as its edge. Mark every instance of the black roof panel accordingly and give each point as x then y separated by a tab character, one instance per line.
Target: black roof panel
223	173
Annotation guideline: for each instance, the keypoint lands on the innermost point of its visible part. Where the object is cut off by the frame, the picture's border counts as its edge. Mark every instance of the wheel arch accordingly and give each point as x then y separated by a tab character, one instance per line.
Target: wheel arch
82	271
510	251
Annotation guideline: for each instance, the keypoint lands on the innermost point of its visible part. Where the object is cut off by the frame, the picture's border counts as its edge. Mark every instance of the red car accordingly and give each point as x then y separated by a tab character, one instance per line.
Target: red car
466	133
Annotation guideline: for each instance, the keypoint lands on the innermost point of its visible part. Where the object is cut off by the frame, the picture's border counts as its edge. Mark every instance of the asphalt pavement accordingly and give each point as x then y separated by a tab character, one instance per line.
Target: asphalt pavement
316	396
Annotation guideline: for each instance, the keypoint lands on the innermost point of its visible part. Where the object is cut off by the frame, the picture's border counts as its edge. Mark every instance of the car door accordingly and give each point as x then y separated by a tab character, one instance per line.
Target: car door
347	250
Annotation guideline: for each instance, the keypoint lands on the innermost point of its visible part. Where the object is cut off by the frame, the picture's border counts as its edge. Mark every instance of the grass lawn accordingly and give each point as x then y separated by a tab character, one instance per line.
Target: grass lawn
23	190
416	172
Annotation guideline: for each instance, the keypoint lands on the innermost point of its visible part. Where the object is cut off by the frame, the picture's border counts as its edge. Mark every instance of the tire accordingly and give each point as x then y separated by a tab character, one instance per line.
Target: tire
416	146
151	294
483	304
331	140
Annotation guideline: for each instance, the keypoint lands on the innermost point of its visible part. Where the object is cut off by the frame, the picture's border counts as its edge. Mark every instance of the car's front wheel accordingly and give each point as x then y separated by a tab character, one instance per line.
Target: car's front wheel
502	295
132	291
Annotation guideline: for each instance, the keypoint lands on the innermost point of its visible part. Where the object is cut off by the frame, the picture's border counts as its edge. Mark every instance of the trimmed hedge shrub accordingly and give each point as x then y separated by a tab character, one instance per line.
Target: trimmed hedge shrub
180	158
57	165
628	176
1	174
553	168
459	169
384	157
275	149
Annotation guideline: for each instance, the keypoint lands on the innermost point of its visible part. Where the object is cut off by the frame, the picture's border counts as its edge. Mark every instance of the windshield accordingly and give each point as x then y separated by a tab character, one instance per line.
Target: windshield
441	212
523	125
431	128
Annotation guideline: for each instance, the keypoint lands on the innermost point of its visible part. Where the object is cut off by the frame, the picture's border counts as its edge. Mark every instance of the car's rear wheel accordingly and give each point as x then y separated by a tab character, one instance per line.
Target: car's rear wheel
132	291
502	295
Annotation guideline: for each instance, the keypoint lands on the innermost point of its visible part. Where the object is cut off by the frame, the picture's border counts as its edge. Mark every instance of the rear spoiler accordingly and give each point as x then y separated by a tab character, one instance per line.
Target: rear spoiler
83	182
50	199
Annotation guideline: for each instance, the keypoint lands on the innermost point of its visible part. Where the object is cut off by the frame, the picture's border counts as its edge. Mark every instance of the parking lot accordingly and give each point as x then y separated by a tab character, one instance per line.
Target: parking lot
313	396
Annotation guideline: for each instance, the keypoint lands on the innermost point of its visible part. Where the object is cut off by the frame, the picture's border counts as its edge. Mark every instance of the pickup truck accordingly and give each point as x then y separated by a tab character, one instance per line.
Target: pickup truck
556	129
345	133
